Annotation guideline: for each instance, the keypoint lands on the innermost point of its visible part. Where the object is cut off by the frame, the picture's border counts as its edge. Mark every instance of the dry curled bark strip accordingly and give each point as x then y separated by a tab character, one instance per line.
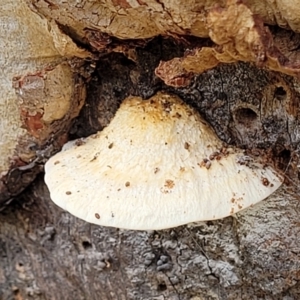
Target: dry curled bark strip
245	38
178	72
239	36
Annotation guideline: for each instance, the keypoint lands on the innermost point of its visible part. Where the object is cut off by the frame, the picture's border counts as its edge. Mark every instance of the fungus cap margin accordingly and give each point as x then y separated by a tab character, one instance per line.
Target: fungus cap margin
157	165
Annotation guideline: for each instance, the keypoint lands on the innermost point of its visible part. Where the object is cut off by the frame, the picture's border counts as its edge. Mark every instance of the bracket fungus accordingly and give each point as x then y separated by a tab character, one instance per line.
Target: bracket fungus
156	165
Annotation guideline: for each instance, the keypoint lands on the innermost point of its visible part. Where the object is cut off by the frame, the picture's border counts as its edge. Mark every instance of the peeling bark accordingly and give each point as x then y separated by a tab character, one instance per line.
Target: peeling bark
239	36
49	93
144	19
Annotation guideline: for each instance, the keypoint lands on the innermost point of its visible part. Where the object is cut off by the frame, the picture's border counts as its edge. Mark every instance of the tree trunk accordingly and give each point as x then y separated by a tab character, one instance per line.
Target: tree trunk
46	253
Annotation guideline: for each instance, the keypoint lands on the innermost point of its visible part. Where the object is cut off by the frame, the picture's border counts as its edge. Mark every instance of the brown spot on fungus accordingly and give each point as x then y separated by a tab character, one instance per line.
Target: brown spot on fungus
169	184
208	165
214	155
167	106
97	216
68	193
156	170
94	158
79	142
186	146
265	181
205	163
127	184
110	145
57	162
224	150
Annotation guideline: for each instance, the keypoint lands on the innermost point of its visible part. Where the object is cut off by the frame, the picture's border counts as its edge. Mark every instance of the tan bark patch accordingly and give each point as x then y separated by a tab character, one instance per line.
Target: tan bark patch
239	36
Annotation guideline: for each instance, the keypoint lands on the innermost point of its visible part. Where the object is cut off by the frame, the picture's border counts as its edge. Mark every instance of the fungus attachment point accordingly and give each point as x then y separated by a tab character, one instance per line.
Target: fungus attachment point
148	179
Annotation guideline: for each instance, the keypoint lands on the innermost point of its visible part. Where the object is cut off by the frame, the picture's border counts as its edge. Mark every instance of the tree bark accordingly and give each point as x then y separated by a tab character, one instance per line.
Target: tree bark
46	253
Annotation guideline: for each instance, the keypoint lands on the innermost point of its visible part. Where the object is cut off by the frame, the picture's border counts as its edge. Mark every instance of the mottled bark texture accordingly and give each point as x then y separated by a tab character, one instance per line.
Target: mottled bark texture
48	254
41	92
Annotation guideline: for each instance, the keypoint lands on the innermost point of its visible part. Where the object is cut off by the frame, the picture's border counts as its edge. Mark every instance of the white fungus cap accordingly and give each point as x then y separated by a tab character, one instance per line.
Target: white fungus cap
157	165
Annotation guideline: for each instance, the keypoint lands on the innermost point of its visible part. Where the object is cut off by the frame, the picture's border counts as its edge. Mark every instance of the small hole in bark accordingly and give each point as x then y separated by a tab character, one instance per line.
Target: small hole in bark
245	116
161	287
86	245
280	93
284	158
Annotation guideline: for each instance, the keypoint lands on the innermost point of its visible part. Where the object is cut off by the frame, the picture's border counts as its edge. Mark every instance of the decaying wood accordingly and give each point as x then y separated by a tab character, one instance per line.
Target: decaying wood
48	254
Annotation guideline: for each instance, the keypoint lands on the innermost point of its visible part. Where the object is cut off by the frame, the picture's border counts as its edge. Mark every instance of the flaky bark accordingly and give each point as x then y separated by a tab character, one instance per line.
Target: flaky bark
144	19
48	254
40	93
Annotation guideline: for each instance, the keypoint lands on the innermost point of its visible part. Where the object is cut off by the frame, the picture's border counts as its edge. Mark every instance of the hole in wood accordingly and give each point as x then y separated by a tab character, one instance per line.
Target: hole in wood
284	158
246	116
280	93
86	244
161	287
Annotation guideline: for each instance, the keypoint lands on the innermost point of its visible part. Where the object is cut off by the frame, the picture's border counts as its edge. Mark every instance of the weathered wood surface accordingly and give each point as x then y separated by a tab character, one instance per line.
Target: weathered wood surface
40	93
48	254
